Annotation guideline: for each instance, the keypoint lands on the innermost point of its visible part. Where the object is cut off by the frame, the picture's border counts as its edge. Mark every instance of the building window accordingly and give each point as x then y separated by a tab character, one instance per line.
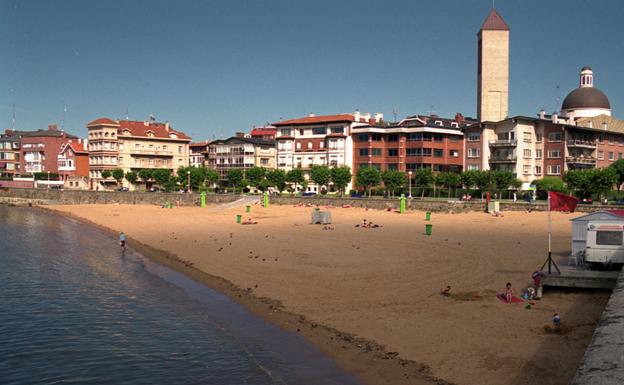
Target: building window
376	137
474	137
554	137
610	139
298	145
393	152
527	153
319	131
554	169
473	167
438	137
438	153
454	153
611	157
364	152
264	161
285	132
526	136
392	138
376	151
137	146
538	154
538	170
538	137
473	153
554	154
362	137
418	152
309	145
322	145
600	155
393	166
337	130
526	169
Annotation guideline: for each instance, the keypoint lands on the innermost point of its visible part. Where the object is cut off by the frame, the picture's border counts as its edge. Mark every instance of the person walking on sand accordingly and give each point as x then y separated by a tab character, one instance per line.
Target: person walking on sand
122	240
508	292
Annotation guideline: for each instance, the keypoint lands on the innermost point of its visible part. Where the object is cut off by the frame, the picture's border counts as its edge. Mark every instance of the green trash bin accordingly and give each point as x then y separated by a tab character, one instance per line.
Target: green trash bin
428	228
317	209
239	217
248	208
428	216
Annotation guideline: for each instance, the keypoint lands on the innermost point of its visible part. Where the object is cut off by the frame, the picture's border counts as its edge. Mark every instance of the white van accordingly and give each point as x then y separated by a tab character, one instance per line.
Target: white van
605	242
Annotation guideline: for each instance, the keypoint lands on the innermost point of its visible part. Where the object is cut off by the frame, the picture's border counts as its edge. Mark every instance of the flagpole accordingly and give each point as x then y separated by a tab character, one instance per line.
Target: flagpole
549	236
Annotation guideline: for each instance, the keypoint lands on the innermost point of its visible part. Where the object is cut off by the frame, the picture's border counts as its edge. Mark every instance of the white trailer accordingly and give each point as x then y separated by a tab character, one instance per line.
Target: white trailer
605	242
579	227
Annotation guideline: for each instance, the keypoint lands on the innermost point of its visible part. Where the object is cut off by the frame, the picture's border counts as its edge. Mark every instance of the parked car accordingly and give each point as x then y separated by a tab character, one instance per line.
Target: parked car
308	194
586	201
123	189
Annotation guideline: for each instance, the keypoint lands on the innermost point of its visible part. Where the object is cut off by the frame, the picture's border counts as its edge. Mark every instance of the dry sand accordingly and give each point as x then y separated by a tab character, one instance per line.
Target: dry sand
383	284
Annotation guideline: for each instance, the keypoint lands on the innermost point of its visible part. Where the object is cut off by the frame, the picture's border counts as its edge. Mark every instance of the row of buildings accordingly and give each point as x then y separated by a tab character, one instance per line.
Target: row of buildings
583	134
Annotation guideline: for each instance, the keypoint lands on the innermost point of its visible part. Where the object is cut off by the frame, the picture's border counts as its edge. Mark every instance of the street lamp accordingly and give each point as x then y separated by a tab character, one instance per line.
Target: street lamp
410	184
48	180
188	181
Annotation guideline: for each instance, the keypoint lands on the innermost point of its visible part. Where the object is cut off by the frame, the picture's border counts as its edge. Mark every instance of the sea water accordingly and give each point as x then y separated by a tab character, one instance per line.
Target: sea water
75	309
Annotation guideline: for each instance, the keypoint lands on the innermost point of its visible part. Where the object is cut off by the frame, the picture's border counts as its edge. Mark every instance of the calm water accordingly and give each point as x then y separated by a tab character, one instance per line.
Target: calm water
74	310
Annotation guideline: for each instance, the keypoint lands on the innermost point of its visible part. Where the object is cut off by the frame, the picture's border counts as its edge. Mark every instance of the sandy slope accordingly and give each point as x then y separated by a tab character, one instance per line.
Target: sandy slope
382	284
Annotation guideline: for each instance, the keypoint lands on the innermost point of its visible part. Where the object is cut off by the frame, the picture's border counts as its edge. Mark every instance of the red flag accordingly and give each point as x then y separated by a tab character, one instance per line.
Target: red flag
562	202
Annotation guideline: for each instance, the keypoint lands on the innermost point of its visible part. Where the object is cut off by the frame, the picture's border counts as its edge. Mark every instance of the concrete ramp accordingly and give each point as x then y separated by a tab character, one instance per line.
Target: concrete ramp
243	201
577	277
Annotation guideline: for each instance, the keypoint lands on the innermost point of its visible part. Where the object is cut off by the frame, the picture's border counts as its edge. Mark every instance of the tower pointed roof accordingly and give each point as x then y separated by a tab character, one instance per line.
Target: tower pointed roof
494	22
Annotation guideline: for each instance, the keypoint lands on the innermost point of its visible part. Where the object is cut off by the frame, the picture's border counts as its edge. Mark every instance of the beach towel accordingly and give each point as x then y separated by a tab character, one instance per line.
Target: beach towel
514	299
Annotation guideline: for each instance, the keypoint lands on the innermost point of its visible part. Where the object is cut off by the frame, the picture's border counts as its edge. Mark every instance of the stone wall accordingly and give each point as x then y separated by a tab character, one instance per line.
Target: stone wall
104	197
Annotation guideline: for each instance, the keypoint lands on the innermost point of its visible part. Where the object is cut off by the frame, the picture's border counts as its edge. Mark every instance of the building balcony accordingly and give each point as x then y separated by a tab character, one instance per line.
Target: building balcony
503	143
583	160
67	168
151	152
581	143
503	159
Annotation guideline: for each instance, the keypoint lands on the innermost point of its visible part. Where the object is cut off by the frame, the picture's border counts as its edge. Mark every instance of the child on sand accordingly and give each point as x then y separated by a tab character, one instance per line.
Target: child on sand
508	292
556	321
122	240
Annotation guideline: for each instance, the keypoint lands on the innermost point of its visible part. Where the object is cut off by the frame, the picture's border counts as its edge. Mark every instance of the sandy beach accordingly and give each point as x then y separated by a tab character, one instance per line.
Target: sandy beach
348	288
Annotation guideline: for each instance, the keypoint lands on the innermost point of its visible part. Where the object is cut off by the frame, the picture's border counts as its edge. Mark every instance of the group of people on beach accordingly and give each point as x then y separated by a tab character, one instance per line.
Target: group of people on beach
367	225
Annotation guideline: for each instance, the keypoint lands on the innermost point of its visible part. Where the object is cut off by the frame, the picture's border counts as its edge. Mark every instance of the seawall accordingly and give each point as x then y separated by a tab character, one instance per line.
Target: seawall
603	362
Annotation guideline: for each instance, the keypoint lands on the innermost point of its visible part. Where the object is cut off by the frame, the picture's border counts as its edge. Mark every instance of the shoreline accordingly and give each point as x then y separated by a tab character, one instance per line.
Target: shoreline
366	359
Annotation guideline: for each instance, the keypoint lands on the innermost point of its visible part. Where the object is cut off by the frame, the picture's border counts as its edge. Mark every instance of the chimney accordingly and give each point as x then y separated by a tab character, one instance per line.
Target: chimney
367	116
604	126
52	127
167	126
554	117
378	117
311	115
590	123
240	135
146	123
459	118
356	115
542	114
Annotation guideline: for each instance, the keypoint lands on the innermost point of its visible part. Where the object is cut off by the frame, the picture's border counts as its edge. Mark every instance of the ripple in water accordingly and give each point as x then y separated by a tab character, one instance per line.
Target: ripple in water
73	310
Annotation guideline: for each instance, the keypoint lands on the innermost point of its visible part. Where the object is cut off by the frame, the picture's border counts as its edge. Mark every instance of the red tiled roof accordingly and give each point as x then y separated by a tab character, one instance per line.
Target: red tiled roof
78	147
263	131
494	22
101	121
317	119
199	144
140	129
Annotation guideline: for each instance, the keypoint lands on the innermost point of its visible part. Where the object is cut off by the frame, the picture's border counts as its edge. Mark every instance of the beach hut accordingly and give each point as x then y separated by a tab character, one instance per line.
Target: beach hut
579	226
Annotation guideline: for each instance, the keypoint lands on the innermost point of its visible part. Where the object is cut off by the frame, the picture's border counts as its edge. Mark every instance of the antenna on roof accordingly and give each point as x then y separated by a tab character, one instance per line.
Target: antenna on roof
63	117
127	116
394	113
431	110
152	118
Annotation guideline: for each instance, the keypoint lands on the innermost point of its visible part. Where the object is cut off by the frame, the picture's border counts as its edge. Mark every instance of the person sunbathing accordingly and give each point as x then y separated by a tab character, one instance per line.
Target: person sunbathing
249	221
364	224
446	291
372	225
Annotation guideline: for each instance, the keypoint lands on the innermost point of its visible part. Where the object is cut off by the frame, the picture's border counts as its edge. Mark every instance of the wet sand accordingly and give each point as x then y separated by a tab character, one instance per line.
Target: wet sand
370	297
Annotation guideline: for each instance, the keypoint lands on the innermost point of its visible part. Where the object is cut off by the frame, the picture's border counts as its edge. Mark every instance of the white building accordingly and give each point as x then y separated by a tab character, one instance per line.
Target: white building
318	140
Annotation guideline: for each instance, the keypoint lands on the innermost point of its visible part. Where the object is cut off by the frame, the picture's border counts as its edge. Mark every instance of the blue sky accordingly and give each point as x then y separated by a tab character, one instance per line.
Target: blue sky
217	67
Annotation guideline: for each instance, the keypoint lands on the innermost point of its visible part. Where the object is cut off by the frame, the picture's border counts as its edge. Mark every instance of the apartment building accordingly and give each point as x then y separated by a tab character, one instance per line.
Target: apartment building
9	154
131	146
73	164
197	153
319	140
39	149
240	152
417	141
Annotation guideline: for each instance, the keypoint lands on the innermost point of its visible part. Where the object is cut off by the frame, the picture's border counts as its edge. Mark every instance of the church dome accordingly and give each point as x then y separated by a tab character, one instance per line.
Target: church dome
586	97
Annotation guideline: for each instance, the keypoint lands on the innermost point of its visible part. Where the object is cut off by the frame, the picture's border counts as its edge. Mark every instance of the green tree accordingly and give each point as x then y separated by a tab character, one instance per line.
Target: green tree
603	180
469	178
448	180
368	177
277	179
106	174
162	176
423	178
321	175
580	181
295	177
340	177
482	181
131	177
255	176
212	177
146	174
549	184
235	177
118	175
502	179
393	180
618	167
